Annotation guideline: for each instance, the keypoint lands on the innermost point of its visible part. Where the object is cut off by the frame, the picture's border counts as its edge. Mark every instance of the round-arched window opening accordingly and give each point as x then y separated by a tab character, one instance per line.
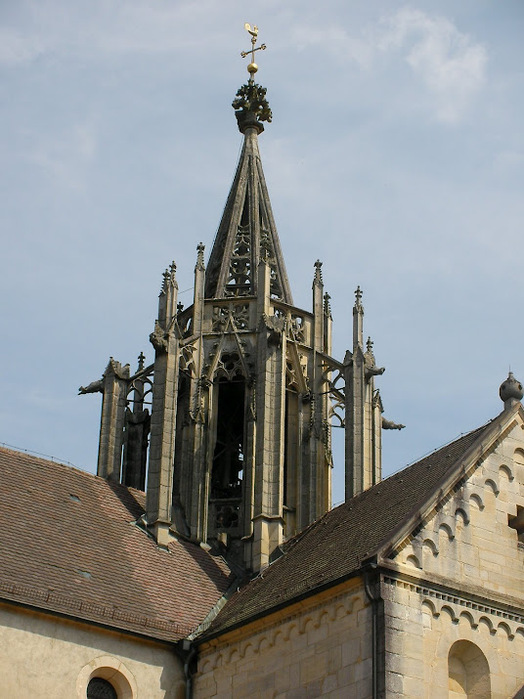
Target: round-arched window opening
98	688
468	672
106	677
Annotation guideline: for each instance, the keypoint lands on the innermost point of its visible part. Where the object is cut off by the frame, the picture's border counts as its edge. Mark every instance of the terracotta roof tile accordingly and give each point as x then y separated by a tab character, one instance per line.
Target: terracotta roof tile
70	545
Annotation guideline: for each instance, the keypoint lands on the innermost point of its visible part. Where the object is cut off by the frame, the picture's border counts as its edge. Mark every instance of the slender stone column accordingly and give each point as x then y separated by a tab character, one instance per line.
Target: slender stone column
198	466
363	411
316	497
163	418
270	410
114	389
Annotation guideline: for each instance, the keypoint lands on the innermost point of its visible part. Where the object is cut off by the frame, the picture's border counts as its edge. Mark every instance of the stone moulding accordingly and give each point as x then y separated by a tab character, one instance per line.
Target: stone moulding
297	623
459	606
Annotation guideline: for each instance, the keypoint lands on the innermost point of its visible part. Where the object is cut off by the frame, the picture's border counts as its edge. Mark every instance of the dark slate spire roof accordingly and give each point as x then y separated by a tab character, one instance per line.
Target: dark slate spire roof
247	222
336	546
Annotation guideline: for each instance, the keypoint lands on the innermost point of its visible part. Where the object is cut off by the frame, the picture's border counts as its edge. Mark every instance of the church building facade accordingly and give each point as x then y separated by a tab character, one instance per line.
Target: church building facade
204	559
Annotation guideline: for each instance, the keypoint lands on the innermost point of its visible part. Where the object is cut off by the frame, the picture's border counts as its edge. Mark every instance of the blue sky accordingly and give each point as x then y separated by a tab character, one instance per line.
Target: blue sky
396	156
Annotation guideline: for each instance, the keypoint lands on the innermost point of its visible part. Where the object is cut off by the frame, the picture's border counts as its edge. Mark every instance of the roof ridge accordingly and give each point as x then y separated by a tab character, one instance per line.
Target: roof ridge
46	458
462	435
445	486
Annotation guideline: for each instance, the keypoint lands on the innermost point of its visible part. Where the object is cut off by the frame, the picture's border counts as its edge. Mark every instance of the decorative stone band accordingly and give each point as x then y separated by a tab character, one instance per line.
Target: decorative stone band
458	606
283	625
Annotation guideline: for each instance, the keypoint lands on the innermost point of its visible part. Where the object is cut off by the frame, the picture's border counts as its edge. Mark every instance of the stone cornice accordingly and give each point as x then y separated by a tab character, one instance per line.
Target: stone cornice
469	597
285	614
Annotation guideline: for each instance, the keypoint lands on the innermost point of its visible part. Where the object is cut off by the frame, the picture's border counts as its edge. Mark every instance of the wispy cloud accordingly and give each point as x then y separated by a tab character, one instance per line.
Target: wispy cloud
336	40
448	63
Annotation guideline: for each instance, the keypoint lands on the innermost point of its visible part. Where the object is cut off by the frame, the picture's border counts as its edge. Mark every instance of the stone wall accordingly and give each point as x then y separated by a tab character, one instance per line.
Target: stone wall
457	593
468	539
318	648
422	626
45	656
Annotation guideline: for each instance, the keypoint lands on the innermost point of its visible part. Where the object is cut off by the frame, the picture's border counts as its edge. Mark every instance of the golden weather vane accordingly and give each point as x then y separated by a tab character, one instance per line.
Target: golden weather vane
252	67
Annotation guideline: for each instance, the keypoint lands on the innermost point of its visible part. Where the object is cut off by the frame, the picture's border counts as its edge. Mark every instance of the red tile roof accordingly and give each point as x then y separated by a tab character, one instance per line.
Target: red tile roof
70	545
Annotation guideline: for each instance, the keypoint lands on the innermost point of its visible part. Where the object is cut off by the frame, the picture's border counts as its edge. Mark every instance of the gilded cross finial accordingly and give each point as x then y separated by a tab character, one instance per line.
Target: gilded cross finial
252	67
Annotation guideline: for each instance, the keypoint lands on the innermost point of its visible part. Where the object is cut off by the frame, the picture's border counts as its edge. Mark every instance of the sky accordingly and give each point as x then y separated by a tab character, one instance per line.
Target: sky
395	156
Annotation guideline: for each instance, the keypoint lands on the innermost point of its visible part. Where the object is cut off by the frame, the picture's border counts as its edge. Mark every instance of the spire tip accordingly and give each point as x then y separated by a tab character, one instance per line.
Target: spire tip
250	103
252	67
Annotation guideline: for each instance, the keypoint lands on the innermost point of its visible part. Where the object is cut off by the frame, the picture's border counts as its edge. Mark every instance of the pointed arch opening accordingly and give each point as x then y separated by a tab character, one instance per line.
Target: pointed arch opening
228	456
468	672
291	455
137	428
239	279
292	446
228	460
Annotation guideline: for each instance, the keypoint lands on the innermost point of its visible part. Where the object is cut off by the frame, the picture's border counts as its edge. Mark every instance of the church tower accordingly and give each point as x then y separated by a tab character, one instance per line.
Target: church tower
243	387
240	435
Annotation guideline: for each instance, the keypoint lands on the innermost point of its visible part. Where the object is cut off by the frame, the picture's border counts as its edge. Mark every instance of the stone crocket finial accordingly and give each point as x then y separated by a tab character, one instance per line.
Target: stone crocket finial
168	278
358	317
318	272
165	281
265	246
327	304
200	256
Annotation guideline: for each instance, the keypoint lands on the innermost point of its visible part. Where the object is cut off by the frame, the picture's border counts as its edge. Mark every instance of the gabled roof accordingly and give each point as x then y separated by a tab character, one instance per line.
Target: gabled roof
70	545
336	546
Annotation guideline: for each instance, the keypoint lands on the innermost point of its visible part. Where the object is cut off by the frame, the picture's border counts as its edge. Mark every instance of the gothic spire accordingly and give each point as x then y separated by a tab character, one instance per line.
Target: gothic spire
247	221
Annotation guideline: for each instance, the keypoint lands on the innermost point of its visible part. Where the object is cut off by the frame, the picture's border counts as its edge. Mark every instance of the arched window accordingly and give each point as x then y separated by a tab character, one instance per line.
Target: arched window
106	677
99	688
468	672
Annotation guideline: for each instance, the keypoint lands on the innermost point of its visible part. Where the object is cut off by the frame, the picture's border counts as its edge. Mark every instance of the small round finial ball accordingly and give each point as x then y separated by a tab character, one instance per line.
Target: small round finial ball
511	388
252	68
